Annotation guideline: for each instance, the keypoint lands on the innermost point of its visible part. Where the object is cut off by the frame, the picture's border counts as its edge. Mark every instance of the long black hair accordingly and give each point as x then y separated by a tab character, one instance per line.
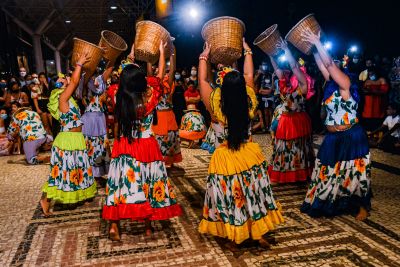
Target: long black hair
235	107
132	86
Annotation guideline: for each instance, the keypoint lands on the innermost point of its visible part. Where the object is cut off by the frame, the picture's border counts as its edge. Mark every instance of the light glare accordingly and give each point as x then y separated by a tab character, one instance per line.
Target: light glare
328	45
193	12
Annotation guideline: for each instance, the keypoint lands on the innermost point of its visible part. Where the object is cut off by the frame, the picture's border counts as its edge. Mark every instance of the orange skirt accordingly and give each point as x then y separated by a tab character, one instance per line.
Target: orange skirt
165	122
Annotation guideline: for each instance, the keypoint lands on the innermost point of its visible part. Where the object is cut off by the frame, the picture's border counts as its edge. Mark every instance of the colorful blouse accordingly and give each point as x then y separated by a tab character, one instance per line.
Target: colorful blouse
95	102
340	111
28	124
292	100
72	118
165	101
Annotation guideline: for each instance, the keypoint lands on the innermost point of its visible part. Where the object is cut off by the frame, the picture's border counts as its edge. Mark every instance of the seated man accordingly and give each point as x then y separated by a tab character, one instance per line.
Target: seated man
28	125
390	141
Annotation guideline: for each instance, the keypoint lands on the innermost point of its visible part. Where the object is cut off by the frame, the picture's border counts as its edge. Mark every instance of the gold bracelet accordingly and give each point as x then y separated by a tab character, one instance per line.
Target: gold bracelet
203	58
248	52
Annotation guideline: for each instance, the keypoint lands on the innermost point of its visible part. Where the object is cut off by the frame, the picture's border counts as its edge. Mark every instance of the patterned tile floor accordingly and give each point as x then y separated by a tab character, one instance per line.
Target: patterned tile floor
78	237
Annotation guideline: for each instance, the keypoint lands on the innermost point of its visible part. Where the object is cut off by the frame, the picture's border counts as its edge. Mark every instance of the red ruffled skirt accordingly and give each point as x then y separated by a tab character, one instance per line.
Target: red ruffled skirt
293	125
138	186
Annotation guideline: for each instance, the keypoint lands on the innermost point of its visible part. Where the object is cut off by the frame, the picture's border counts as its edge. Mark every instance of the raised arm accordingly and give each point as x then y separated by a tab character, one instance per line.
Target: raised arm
335	73
248	68
294	67
205	88
75	78
161	62
321	66
172	67
278	71
108	71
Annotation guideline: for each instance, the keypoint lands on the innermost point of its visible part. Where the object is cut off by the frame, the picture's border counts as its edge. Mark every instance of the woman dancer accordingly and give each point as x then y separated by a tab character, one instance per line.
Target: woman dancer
94	123
138	187
71	179
239	203
341	179
165	127
292	156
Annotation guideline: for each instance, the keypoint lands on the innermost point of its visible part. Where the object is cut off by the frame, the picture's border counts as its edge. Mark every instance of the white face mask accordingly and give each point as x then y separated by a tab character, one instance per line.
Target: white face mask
35	80
193	72
22	73
267	81
177	76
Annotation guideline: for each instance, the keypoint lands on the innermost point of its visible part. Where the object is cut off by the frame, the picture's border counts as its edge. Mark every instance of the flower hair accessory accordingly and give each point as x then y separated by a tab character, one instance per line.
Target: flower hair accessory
221	74
125	63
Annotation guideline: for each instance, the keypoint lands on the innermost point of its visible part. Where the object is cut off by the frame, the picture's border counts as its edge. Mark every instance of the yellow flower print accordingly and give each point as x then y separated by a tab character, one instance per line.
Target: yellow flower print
346	182
237	193
360	165
223	185
146	190
74	177
322	174
89	171
21	116
54	172
205	212
122	199
346	118
337	169
246	181
28	128
131	175
31	138
329	100
159	191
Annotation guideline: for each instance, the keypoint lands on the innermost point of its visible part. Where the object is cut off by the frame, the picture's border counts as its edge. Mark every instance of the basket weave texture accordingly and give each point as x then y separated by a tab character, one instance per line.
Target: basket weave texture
115	44
93	51
294	35
147	41
225	35
268	40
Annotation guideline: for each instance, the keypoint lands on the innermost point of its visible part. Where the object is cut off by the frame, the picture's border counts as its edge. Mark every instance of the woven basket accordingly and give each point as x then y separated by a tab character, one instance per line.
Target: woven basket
268	40
294	35
93	51
115	44
147	41
225	35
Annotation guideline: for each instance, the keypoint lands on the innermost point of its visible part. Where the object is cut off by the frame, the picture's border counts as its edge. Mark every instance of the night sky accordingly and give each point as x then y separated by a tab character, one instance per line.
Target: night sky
372	25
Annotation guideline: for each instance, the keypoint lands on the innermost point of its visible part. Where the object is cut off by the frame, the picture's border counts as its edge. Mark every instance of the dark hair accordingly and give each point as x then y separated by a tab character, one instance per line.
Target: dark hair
190	82
16	103
395	107
12	83
236	108
129	99
46	91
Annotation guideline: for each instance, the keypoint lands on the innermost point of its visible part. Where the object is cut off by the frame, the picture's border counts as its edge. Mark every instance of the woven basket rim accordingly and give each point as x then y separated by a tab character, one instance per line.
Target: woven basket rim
275	26
219	18
117	48
297	24
151	22
89	43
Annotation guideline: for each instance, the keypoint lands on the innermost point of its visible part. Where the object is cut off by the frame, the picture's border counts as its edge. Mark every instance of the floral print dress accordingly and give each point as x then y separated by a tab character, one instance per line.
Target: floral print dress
94	127
193	126
28	124
341	179
293	156
239	202
138	186
71	178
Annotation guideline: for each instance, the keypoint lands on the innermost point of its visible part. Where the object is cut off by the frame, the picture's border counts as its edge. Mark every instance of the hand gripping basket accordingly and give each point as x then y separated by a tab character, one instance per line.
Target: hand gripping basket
115	44
268	40
225	35
147	41
94	52
294	35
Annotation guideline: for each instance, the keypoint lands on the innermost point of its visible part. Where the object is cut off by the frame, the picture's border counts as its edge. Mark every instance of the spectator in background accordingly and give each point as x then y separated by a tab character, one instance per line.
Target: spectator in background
193	76
3	92
40	94
375	90
178	99
5	145
266	98
364	74
390	141
27	124
21	78
16	95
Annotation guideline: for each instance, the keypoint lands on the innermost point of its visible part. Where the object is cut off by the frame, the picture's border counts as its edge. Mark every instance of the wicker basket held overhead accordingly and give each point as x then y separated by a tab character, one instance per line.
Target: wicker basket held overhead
94	52
115	44
268	40
294	35
147	41
225	35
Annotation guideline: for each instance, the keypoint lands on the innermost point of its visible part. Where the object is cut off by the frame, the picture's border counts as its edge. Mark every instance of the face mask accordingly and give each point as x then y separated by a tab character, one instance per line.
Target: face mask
372	77
28	82
4	116
3	85
355	60
193	72
267	81
22	73
35	80
177	76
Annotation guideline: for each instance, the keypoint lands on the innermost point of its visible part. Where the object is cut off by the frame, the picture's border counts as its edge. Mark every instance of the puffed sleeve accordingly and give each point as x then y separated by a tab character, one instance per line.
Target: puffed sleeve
157	90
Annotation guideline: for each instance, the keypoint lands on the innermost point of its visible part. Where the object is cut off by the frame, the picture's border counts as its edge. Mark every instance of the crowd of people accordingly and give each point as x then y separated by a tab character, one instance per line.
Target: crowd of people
124	129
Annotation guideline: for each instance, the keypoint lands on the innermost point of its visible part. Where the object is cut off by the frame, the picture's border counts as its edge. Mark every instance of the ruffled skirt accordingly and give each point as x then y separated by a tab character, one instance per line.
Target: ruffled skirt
341	179
71	178
239	202
193	126
138	186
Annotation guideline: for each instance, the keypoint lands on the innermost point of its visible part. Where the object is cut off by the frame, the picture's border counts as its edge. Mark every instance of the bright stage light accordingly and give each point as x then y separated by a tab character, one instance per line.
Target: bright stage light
328	45
282	58
67	21
163	1
353	48
193	12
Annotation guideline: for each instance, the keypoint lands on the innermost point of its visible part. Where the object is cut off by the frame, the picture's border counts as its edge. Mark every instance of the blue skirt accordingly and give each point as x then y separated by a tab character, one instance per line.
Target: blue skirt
343	146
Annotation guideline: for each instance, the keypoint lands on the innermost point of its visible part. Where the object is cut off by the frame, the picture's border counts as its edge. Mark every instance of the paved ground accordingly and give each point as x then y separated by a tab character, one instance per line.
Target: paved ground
78	237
